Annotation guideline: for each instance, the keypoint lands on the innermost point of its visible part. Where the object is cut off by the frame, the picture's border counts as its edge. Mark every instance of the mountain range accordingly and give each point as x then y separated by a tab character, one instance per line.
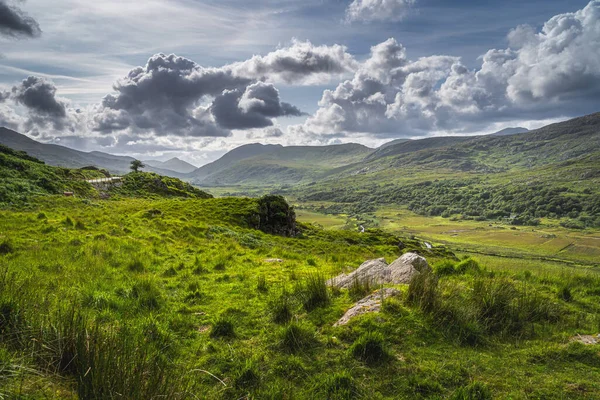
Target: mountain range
276	165
61	156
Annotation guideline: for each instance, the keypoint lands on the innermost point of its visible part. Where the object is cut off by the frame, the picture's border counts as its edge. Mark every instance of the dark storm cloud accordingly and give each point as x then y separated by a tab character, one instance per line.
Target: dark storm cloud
163	97
15	23
252	108
39	97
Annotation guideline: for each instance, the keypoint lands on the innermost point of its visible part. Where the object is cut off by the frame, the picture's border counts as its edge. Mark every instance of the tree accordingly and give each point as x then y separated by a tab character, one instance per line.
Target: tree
136	165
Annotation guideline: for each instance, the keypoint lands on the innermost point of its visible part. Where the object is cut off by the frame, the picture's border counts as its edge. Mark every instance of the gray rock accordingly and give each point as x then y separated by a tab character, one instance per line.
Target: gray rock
371	303
378	272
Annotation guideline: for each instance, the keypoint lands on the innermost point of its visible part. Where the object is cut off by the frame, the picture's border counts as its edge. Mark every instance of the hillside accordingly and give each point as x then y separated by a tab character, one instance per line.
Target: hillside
22	177
174	164
510	131
186	299
62	156
271	165
552	172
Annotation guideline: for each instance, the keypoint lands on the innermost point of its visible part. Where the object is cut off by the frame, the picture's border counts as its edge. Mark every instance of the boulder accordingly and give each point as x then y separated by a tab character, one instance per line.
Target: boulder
371	303
587	339
378	272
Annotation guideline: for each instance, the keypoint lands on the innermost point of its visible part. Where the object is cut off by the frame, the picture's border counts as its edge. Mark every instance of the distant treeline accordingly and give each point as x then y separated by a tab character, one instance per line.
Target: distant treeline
522	204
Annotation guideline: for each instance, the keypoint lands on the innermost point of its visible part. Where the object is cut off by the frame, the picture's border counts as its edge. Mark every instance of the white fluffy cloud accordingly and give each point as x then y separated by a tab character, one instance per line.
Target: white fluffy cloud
539	75
300	63
378	10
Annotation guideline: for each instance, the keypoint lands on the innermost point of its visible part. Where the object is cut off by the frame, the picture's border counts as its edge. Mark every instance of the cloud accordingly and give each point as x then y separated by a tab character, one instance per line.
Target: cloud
163	97
299	63
541	75
170	94
38	96
252	108
378	10
15	23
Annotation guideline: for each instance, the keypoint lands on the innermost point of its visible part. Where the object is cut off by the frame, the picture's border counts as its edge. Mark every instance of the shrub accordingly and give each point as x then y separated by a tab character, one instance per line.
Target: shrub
295	337
10	317
313	292
275	216
370	348
222	328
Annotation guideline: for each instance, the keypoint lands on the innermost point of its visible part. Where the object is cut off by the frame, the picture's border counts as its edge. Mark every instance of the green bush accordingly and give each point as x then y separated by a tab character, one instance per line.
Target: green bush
261	284
275	216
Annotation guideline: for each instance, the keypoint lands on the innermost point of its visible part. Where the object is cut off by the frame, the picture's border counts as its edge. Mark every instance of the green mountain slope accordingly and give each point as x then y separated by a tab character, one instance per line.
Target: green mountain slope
276	165
174	164
62	156
23	176
552	172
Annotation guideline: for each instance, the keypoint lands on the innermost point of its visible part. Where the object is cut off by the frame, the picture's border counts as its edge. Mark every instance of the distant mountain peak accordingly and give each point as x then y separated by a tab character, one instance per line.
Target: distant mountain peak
510	131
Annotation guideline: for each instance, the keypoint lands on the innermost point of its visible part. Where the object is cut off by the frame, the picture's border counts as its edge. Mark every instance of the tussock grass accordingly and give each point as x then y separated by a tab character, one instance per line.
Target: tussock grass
370	348
312	292
296	338
223	328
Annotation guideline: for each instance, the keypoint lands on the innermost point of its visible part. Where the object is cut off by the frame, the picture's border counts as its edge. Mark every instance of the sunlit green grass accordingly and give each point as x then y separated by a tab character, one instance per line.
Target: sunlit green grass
188	285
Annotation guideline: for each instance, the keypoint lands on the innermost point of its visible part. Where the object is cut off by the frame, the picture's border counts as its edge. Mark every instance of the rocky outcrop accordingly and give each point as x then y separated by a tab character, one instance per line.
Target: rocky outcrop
378	272
371	303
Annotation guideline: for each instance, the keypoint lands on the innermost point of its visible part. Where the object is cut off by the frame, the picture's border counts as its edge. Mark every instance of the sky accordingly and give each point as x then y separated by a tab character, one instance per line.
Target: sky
156	79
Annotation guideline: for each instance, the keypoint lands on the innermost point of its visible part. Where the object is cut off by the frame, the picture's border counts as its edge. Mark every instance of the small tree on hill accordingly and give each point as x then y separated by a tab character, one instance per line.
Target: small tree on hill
136	165
276	216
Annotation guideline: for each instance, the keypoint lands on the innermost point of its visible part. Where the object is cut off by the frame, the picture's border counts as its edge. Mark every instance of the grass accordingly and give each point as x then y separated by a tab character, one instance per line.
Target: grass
136	294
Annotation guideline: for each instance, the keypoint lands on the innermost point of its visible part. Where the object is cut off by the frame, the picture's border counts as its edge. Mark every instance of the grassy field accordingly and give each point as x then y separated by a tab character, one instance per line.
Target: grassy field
181	298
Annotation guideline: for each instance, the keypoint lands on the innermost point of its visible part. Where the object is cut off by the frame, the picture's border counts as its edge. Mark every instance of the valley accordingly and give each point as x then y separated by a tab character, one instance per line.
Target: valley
167	287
